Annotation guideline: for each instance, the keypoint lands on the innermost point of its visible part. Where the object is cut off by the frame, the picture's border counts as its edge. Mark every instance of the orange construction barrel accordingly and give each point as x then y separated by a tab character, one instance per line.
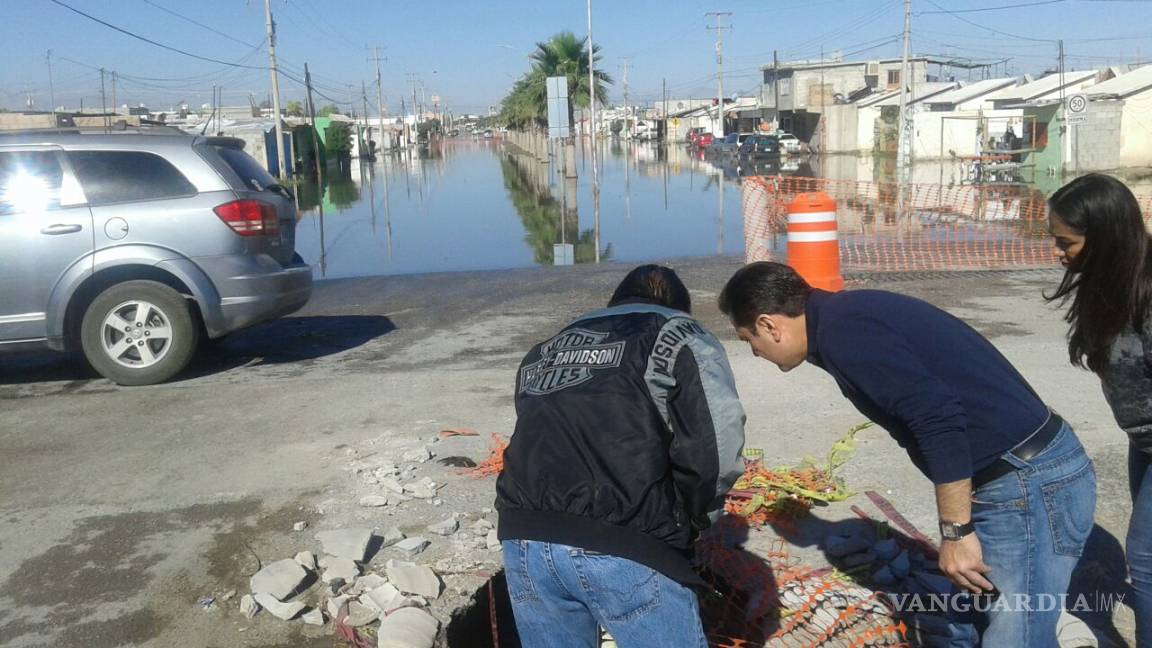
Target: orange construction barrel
813	246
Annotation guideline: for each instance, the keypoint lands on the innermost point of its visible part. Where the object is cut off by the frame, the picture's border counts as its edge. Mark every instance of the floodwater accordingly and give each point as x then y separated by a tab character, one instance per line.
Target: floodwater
473	204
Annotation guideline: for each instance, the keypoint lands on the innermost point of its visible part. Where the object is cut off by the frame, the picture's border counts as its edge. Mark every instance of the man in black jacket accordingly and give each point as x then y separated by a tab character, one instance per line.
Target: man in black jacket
1014	489
628	436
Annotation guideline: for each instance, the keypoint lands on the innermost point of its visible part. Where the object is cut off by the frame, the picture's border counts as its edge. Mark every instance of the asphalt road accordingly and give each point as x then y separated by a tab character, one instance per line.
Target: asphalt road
121	507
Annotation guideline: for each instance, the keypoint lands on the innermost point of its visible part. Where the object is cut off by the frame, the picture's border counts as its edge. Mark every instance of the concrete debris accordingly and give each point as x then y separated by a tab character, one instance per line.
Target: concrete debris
385	599
444	527
300	526
335	585
418	580
339	568
346	543
370	582
374	500
392	484
279	579
412	546
313	617
393	563
360	615
392	536
227	596
248	606
482	526
493	541
408	628
306	559
419	455
334	604
285	611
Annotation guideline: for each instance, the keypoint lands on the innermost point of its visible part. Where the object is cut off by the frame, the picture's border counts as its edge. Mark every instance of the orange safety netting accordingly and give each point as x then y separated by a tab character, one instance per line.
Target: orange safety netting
928	227
494	462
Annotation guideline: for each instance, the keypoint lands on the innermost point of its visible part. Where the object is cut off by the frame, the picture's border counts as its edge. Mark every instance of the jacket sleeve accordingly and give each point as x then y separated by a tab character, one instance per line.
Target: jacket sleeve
707	424
877	362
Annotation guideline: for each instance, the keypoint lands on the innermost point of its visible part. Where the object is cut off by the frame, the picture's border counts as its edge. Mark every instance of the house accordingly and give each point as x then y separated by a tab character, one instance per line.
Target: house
1117	131
971	96
877	115
1052	86
804	89
964	122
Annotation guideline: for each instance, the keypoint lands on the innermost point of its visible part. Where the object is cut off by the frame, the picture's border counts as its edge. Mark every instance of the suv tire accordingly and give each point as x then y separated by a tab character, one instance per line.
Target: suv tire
139	333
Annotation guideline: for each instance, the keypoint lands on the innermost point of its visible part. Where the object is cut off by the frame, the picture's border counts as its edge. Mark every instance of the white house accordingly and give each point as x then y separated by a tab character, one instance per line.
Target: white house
1133	93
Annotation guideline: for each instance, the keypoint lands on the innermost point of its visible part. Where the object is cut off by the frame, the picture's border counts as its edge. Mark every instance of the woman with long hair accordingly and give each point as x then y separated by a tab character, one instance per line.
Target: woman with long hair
1104	246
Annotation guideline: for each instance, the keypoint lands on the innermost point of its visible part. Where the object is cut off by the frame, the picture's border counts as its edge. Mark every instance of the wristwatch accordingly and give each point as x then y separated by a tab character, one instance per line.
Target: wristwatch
955	530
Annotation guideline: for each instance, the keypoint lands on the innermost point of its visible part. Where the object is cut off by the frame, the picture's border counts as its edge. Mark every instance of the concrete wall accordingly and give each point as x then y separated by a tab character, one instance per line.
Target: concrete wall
1136	131
866	118
840	122
1095	145
941	134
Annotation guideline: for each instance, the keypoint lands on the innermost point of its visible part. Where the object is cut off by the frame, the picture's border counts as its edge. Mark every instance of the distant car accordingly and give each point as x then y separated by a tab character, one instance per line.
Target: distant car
704	140
730	145
760	146
131	248
789	143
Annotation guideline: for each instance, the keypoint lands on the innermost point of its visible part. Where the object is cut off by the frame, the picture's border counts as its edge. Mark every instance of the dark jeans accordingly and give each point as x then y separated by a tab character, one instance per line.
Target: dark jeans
1139	544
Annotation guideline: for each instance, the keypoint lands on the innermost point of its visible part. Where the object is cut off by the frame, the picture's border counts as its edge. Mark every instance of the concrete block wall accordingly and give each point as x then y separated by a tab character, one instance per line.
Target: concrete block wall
1095	144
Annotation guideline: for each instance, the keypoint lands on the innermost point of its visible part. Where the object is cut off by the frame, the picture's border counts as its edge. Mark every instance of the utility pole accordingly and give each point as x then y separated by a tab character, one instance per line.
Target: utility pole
904	134
627	105
664	108
776	88
271	27
103	104
312	118
115	104
719	68
592	138
51	88
364	99
379	94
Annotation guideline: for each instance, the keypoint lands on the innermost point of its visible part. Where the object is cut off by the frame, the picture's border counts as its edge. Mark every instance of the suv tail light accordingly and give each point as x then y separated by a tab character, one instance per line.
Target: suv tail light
249	217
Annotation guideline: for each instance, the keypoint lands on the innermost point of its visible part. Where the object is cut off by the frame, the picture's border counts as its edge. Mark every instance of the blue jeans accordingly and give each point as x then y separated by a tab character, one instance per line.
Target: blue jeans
1138	547
1032	525
560	594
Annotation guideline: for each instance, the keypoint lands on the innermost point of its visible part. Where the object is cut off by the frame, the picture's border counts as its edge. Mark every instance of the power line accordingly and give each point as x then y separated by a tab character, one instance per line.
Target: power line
978	25
1011	6
152	42
198	24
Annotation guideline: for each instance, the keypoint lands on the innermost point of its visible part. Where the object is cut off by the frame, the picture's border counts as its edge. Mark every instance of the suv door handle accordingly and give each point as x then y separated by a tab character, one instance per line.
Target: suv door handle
53	230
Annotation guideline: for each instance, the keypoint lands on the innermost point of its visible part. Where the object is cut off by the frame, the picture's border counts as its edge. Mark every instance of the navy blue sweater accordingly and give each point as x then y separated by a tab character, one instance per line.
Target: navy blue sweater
937	386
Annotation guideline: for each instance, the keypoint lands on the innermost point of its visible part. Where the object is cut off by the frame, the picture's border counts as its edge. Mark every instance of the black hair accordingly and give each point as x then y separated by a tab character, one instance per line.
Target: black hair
1109	283
654	284
764	288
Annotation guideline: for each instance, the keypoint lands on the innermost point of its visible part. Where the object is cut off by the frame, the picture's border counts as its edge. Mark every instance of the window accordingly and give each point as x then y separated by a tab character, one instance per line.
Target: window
29	181
893	78
253	175
124	176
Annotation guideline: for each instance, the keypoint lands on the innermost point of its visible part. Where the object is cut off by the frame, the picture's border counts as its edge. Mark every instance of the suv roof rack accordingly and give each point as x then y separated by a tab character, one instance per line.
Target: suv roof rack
115	129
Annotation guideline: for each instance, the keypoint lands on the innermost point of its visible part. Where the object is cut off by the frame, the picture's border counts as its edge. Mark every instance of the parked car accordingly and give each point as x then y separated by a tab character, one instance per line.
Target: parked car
704	140
131	247
730	145
760	146
789	143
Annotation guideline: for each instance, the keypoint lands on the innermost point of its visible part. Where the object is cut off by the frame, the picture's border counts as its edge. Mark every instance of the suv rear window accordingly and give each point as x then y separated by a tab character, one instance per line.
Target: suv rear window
255	177
126	176
29	181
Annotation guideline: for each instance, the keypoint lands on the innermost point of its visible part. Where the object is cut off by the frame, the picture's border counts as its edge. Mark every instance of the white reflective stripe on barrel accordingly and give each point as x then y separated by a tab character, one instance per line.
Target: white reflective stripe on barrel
812	217
811	237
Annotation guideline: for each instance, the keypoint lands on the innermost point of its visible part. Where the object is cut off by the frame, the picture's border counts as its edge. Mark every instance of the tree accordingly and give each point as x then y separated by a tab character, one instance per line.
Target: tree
327	110
295	109
562	55
338	139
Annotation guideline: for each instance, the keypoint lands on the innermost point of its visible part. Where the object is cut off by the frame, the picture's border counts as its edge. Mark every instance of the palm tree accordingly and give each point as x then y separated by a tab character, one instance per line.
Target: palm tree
563	55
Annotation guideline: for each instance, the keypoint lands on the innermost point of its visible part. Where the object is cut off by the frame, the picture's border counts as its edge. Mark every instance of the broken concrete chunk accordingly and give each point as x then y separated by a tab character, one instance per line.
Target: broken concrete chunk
393	485
420	491
408	628
306	559
417	580
418	455
370	582
339	568
385	599
248	606
285	611
334	604
374	500
444	527
392	562
360	615
346	543
493	541
392	536
313	617
280	579
300	526
482	525
412	546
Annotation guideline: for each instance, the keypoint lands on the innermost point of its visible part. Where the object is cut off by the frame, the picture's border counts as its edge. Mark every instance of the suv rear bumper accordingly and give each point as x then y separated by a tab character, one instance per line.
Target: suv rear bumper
250	290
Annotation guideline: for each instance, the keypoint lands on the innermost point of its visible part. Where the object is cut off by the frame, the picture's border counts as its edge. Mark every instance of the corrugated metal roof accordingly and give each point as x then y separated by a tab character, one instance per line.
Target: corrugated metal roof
1138	80
971	91
1042	86
920	92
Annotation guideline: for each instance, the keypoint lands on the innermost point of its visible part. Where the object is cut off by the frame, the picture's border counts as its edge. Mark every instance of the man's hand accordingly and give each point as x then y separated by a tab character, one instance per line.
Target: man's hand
962	561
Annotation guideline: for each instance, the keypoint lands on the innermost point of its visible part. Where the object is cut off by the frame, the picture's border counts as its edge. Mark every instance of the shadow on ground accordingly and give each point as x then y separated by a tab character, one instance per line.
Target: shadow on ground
282	341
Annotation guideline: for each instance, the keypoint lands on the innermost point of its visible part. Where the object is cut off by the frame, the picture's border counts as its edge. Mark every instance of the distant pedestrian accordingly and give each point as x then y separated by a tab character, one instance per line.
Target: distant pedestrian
1014	490
628	436
1103	244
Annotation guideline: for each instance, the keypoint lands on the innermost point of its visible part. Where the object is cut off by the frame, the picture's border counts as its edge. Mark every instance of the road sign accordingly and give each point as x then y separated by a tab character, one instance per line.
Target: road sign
1073	120
557	106
1076	104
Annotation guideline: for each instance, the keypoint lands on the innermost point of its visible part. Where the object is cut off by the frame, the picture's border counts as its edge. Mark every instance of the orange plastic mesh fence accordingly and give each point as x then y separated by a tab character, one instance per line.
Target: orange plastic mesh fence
943	227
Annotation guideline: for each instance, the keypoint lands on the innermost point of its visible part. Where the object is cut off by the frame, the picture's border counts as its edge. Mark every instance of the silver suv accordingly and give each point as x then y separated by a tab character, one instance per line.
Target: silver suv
130	247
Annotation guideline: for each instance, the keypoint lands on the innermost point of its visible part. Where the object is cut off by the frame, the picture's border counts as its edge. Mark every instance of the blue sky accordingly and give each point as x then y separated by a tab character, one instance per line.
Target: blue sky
470	52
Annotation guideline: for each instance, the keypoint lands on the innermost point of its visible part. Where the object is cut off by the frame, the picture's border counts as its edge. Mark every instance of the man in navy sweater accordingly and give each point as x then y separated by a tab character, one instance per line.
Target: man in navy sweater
1015	492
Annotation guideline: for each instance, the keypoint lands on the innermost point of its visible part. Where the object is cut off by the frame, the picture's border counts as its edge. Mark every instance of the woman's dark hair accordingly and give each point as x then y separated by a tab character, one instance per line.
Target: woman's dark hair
764	288
1109	283
654	284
